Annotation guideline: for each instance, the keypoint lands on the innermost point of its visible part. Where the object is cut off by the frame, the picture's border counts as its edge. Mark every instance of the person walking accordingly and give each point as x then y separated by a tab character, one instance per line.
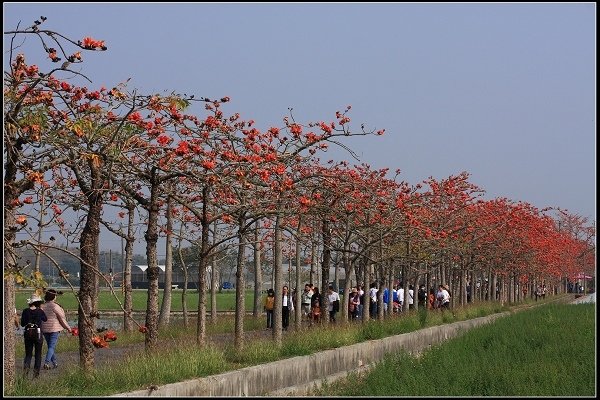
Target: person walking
334	303
286	308
353	303
269	305
400	293
443	297
56	321
373	300
411	299
315	302
31	319
422	296
306	296
361	297
431	299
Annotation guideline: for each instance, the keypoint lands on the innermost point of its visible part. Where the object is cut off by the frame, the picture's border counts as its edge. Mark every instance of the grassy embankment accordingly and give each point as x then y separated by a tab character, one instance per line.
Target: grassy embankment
545	351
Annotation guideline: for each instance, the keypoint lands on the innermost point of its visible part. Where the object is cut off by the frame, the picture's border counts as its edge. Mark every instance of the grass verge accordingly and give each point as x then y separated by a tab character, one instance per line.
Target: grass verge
545	351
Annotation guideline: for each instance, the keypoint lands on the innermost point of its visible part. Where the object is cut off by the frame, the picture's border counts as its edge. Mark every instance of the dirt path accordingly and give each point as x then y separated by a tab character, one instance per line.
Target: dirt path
106	356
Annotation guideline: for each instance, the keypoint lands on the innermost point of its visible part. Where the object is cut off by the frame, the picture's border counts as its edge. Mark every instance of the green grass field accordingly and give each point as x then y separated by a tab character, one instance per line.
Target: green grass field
108	302
546	351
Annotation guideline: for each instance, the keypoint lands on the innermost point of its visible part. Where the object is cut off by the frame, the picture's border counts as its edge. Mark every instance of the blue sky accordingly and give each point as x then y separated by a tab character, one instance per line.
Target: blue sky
503	91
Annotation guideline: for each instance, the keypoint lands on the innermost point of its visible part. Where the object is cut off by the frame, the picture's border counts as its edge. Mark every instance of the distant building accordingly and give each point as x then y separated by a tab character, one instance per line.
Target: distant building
139	278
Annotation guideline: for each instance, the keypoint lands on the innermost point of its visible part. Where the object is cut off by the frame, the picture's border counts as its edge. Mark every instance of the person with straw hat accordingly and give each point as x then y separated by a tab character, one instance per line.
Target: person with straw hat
31	319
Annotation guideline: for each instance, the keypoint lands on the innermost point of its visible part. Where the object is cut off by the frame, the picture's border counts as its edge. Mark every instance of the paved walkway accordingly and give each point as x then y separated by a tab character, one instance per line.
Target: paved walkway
104	357
588	298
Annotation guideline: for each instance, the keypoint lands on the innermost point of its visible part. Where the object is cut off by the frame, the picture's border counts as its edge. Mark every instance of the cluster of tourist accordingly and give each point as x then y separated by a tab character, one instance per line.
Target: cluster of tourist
312	302
540	291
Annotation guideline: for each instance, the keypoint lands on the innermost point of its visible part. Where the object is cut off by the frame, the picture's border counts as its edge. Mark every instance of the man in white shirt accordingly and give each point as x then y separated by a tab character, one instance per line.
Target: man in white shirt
333	308
287	308
401	296
305	300
443	297
373	300
411	293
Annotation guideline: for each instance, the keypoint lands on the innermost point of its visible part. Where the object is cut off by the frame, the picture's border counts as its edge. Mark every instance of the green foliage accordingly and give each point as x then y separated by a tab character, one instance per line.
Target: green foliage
33	280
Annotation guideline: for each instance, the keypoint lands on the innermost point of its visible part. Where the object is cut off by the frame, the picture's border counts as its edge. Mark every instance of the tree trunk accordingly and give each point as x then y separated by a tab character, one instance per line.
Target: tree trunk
277	272
380	287
313	261
10	268
298	304
240	286
348	271
185	279
463	286
366	285
151	341
325	271
415	286
202	264
127	290
9	331
165	309
214	281
88	295
390	285
257	307
492	291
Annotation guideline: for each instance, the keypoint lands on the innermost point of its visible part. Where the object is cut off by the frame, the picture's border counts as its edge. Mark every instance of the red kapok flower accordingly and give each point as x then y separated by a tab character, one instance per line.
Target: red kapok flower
208	164
90	43
110	336
304	201
163	140
98	342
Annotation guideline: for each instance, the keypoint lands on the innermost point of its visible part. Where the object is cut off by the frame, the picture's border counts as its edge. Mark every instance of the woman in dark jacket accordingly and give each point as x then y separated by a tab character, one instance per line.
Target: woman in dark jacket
31	320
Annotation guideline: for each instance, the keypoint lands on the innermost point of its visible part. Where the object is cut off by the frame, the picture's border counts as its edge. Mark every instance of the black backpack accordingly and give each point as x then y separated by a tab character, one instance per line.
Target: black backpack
33	332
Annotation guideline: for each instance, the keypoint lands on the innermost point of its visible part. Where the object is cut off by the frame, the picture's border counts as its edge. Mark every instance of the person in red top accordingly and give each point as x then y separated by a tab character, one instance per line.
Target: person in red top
53	326
431	300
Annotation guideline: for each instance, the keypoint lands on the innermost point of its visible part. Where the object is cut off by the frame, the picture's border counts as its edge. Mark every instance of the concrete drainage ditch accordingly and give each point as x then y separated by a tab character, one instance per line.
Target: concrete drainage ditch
300	375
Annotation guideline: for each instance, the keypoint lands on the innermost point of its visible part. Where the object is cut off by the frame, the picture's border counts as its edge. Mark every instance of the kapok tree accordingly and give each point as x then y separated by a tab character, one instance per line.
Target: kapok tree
34	115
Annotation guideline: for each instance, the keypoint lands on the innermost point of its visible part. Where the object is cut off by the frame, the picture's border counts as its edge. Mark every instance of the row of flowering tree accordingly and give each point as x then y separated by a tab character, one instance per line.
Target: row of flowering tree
215	181
87	148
